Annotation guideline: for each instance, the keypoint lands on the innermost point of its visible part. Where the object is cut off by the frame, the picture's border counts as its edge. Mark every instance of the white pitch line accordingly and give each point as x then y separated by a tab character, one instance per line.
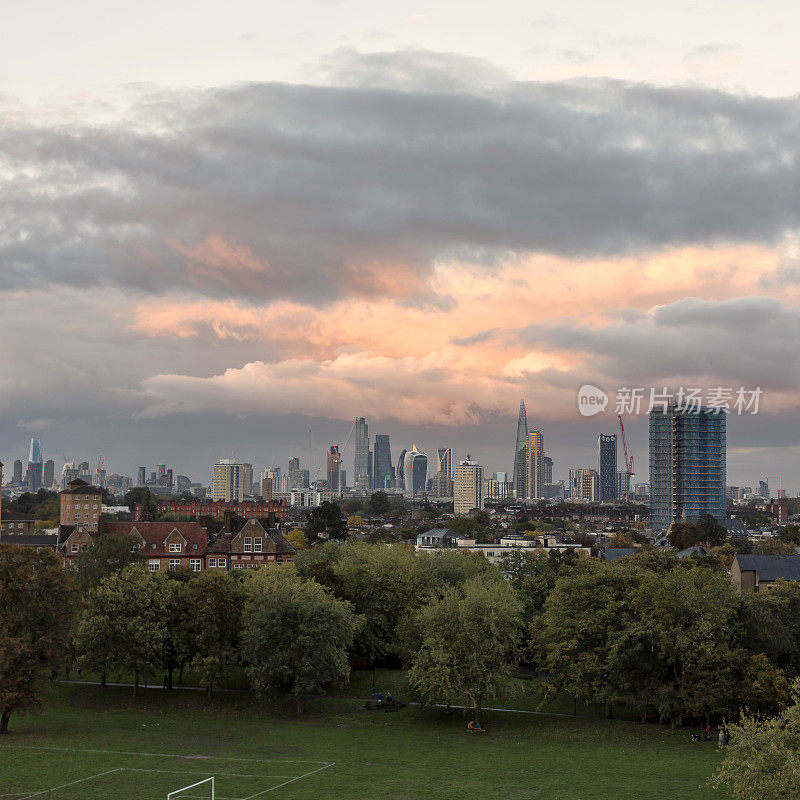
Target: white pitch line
286	783
203	772
71	783
165	755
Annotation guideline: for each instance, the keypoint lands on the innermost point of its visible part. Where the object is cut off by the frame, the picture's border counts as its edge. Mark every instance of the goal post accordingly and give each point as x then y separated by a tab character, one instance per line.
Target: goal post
192	786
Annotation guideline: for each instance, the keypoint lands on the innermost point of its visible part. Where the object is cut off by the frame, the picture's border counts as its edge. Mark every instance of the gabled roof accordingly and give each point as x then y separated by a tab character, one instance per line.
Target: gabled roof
613	553
734	527
158	532
695	549
771	568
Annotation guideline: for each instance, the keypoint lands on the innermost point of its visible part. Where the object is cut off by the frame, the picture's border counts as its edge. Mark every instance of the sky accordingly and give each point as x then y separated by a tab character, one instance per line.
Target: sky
229	229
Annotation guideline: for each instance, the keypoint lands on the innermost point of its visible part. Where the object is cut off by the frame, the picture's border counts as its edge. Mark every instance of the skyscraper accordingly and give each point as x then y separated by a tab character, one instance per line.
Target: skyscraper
443	479
607	466
400	473
34	473
49	474
467	487
361	463
547	469
18	471
534	465
334	468
415	469
141	476
382	471
520	453
247	479
583	485
687	465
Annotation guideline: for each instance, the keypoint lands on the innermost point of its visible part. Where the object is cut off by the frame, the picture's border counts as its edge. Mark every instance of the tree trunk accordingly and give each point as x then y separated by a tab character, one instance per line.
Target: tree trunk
299	705
180	675
609	710
136	683
103	680
169	675
478	712
210	689
4	721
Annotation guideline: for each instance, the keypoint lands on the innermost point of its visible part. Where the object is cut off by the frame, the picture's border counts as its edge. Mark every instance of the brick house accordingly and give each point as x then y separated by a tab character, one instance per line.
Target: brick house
254	545
72	539
81	504
166	545
13	524
248	509
757	573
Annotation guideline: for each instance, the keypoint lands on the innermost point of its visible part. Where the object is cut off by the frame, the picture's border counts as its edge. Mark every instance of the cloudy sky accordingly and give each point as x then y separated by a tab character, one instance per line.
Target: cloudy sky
229	228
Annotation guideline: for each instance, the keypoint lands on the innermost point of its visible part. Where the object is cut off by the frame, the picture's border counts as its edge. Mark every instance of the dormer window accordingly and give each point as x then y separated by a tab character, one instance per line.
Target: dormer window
174	547
153	546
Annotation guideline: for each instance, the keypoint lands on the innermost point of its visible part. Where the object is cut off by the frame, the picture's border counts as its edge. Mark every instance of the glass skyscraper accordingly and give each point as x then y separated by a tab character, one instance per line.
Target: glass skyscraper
687	465
607	466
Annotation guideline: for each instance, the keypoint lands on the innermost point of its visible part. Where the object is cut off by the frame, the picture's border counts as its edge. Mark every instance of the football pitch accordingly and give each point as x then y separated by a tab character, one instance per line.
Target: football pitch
103	744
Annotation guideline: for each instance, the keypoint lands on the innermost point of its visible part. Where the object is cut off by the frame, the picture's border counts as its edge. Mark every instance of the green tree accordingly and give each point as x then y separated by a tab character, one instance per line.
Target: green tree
211	616
710	531
326	519
775	547
355	522
297	539
762	759
124	623
682	535
106	554
37	603
468	642
379	503
295	635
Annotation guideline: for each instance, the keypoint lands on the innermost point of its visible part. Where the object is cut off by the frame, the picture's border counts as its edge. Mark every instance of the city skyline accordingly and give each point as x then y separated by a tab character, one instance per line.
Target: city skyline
418	228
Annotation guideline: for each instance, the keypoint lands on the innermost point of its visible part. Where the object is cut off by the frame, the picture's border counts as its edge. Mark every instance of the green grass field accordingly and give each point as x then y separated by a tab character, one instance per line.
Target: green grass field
94	744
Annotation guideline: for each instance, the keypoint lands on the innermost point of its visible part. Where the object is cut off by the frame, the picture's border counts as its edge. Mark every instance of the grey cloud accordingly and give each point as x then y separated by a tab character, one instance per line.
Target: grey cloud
314	193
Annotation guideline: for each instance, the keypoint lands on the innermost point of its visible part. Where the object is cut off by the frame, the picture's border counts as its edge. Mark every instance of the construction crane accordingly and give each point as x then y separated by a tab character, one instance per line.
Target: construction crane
628	461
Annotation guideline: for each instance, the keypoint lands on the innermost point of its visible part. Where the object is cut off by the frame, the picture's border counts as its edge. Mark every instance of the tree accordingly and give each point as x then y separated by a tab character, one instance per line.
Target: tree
379	503
297	539
352	506
468	642
211	616
148	511
682	535
106	554
355	522
37	601
124	623
710	530
762	759
295	635
327	519
775	547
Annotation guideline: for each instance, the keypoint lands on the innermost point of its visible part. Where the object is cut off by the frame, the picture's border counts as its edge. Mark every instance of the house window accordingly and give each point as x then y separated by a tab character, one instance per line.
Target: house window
248	544
74	548
195	564
174	563
220	562
257	544
154	565
238	566
174	547
212	562
153	546
194	546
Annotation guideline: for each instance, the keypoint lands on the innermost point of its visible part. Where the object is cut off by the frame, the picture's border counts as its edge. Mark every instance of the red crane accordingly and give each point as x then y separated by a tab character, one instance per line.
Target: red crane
628	461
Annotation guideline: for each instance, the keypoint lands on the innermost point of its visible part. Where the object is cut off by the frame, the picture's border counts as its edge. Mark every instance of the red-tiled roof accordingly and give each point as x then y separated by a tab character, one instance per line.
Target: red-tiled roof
156	533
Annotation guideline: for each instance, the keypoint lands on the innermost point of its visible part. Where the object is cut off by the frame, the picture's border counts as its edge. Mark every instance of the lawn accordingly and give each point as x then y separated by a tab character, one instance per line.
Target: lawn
95	744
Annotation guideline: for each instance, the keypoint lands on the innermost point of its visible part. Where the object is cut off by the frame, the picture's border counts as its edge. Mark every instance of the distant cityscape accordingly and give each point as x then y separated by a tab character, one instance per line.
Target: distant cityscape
687	473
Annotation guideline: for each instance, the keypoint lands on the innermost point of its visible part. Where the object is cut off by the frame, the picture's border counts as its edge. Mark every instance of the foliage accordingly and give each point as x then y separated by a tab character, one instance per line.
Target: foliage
355	522
295	635
105	554
124	624
789	533
775	547
468	642
297	539
44	506
379	503
36	606
762	759
326	519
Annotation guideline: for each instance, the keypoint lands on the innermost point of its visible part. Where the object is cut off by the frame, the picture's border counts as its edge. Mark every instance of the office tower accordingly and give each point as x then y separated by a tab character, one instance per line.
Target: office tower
17	471
34	474
299	479
763	489
534	467
294	463
521	454
247	478
687	465
442	485
371	474
69	473
85	471
400	473
584	484
141	476
334	468
622	485
361	464
382	470
547	469
607	466
183	483
227	483
415	471
49	474
467	487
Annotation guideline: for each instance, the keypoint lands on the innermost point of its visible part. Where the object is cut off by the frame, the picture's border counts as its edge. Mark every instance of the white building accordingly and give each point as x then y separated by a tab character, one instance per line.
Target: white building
228	481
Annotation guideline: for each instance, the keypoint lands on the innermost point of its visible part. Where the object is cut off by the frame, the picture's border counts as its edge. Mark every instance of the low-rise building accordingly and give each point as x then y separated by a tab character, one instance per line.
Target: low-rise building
13	524
756	573
253	545
218	509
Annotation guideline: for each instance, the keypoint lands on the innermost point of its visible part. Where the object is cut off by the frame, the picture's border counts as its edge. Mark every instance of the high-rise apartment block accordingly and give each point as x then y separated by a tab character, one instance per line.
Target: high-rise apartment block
607	467
228	481
334	469
534	465
687	464
467	487
584	485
